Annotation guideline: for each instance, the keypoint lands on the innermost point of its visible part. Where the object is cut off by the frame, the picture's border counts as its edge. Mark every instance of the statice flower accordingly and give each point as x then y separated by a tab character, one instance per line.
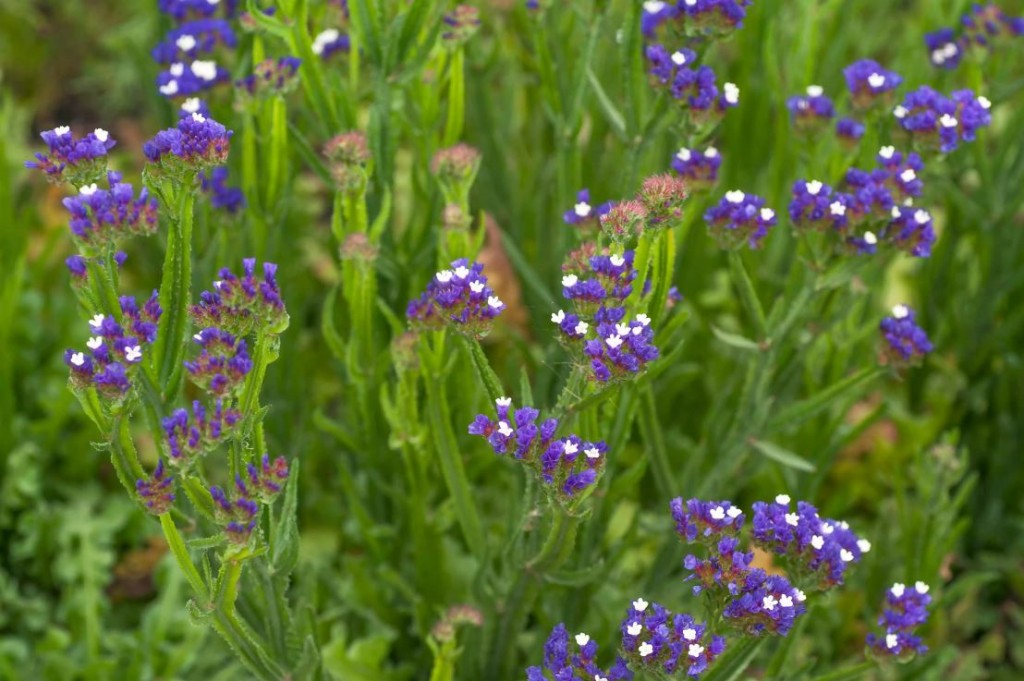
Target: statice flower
766	604
78	161
812	111
229	199
243	305
811	206
271	77
329	42
191	39
101	217
78	267
695	89
724	571
348	156
906	608
583	213
197	143
850	131
870	83
935	121
906	343
222	365
815	547
115	351
944	50
181	80
268	478
987	25
663	197
563	665
705	521
739	218
238	514
181	10
193	105
699	169
460	25
910	230
458	297
621	349
191	437
655	639
157	492
719	16
569	467
624	221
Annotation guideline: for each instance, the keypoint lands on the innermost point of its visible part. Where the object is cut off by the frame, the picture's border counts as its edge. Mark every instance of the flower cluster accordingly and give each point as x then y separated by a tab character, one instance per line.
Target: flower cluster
348	156
243	305
568	467
180	80
944	51
739	218
935	121
985	26
583	213
654	638
695	16
849	131
100	217
268	478
329	42
223	363
193	105
766	604
78	161
180	10
725	569
905	609
812	111
191	437
157	492
696	89
193	38
214	183
704	521
662	197
579	666
814	546
196	143
459	297
699	169
460	25
271	77
870	83
115	351
906	343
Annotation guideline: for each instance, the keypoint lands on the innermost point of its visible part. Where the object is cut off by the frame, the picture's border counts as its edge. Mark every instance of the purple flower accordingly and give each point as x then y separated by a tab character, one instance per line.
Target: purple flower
766	604
869	82
243	305
238	514
157	492
185	80
655	13
910	230
655	639
583	213
78	267
705	521
197	143
183	9
906	343
944	50
739	218
811	207
699	169
715	15
987	25
78	161
564	665
906	609
193	38
935	121
101	217
191	437
811	111
193	105
459	297
850	131
222	365
271	77
268	478
329	42
724	570
229	199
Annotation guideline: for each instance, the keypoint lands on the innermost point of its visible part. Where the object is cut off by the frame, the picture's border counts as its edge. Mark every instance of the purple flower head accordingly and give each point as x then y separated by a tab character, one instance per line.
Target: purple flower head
811	207
101	217
193	105
705	521
655	13
458	297
191	39
717	16
196	144
141	322
850	131
724	570
869	82
619	350
238	514
78	267
222	365
910	230
988	26
583	214
812	111
180	10
937	122
906	608
329	42
739	218
157	492
766	604
229	199
271	77
190	437
564	661
906	343
460	25
697	91
78	161
655	639
268	478
188	79
944	50
242	305
699	169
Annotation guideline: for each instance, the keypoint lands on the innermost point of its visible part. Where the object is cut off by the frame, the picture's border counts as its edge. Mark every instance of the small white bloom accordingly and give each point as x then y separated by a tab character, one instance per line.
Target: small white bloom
646	649
217	284
170	88
938	57
569	280
800	595
613	341
710	152
922	216
732	93
864	545
653	6
813	187
921	588
815	90
640	605
617	260
95	342
476	286
198	337
767	214
461	272
634	629
684	155
582	209
887	152
643	319
558	317
61	130
908	175
177	69
947	121
984	102
845	556
198	117
870	239
717	513
817	541
570	447
898	589
88	190
186	43
696	650
191	105
495	302
133	353
735	196
213	2
592	453
622	329
678	58
900	111
769	602
582	640
598	677
782	499
826	528
637	330
900	311
891	640
207	70
97	321
444	276
325	38
503	401
691	3
504	428
734	512
792	519
895	212
837	209
78	359
690	634
581	328
876	80
101	134
785	601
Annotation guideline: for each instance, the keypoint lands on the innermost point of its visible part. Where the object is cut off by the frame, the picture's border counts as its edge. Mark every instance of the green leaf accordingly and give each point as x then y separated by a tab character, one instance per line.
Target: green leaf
783	456
735	340
734	661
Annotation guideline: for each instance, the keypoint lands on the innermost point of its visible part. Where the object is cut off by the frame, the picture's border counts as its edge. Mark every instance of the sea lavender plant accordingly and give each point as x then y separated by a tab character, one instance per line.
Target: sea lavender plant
329	42
223	363
870	84
189	437
229	199
188	79
100	218
906	609
458	298
653	638
583	214
738	219
80	162
197	143
934	121
698	168
191	39
243	305
811	112
562	665
271	77
905	343
157	492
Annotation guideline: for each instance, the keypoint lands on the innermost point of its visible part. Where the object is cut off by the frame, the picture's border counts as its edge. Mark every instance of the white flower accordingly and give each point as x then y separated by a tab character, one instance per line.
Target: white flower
640	605
634	629
217	284
898	589
170	88
581	328
864	545
815	90
325	38
582	639
569	280
734	512
101	134
88	190
97	321
678	58
984	102
653	6
558	317
684	155
592	453
717	513
732	93
817	541
617	260
891	640
95	342
177	69
191	105
503	401
887	152
690	634
826	528
646	649
61	130
895	212
476	286
792	519
782	499
696	650
78	359
185	43
908	175
922	217
710	152
900	311
691	3
870	239
813	187
769	602
800	595
837	209
198	117
735	196
900	112
622	329
613	341
207	70
643	319
785	601
461	272
846	556
133	353
598	677
444	276
495	302
876	80
767	214
571	447
947	121
198	337
582	209
921	588
504	429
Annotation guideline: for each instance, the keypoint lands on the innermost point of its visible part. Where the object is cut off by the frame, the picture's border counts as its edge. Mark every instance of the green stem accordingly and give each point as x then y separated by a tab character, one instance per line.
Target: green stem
456	97
748	295
180	553
483	368
175	294
653	436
